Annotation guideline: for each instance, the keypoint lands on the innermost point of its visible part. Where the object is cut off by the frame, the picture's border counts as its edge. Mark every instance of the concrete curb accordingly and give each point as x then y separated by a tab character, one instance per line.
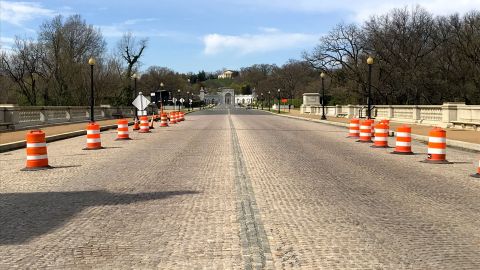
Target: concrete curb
62	136
471	147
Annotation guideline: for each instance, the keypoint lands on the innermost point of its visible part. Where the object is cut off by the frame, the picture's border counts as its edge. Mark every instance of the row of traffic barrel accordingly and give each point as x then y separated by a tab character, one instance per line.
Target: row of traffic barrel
367	131
37	158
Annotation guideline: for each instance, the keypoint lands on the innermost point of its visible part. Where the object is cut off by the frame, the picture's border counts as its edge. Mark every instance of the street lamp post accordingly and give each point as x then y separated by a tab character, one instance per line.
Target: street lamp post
161	98
188	97
369	98
262	100
178	99
135	77
278	100
322	76
91	62
269	97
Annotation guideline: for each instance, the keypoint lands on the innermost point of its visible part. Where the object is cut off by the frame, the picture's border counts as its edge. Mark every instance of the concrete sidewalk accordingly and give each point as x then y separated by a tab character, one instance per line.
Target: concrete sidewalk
464	139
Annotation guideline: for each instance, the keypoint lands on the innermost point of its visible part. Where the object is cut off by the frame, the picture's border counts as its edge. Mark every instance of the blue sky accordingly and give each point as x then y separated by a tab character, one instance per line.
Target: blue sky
188	35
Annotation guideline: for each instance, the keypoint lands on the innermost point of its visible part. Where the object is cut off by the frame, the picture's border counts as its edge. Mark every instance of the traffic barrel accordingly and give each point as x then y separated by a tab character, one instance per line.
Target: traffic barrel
372	126
381	136
403	143
437	144
365	131
354	128
163	120
93	137
151	122
173	118
477	175
182	116
144	127
122	130
136	124
37	158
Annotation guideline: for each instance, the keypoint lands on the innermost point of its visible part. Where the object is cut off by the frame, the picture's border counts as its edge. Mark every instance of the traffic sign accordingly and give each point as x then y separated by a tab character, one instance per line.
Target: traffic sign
284	100
141	102
174	100
182	100
190	101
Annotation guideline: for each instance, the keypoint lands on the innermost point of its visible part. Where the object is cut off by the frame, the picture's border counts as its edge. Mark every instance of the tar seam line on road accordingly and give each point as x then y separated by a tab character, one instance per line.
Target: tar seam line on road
255	246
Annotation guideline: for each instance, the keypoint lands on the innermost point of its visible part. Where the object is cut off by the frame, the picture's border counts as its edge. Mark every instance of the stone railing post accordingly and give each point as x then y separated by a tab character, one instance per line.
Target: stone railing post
416	113
43	115
351	111
449	113
390	112
68	114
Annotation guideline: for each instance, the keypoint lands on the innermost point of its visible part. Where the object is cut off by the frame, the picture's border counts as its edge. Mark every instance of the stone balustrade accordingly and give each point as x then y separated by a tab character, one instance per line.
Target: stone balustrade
451	114
14	117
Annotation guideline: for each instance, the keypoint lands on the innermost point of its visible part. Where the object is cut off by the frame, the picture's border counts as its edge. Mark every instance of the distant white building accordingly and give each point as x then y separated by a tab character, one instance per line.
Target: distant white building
226	96
227	74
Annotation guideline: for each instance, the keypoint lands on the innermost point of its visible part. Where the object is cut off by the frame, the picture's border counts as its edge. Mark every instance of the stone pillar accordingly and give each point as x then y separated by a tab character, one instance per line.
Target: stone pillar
310	100
350	111
416	114
390	112
449	113
43	115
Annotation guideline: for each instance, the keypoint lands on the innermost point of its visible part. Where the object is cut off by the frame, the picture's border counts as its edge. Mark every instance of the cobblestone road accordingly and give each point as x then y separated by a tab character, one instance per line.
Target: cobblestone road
238	189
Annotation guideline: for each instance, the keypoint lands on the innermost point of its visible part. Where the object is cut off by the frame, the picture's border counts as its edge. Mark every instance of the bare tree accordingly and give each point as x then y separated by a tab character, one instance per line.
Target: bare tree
23	67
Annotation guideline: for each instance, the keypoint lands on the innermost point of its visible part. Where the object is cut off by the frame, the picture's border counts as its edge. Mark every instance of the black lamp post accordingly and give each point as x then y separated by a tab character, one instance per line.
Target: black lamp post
369	98
269	97
135	77
91	62
322	76
161	97
178	99
188	97
262	100
278	100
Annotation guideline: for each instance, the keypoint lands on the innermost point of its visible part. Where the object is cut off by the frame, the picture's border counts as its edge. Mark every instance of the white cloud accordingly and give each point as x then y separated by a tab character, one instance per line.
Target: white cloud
361	10
19	12
264	42
137	21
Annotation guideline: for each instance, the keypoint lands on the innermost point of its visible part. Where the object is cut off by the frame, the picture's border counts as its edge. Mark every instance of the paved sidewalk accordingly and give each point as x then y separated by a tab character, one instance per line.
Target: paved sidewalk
469	136
15	136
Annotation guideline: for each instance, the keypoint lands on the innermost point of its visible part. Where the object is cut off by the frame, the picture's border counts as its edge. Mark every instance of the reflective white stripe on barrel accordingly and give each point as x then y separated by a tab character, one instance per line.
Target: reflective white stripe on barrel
403	134
364	127
437	151
122	126
381	139
362	134
403	143
36	145
93	131
437	139
122	132
93	140
381	130
37	157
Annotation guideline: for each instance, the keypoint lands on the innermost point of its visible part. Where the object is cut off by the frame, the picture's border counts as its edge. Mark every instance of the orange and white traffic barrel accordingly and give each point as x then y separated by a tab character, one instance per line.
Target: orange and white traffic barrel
122	130
182	116
477	175
354	128
437	146
163	120
403	143
173	118
365	131
372	126
144	126
37	158
93	137
381	136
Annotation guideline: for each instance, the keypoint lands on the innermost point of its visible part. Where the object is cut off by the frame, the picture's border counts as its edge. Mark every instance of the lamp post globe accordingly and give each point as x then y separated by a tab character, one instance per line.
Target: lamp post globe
322	76
91	62
369	98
